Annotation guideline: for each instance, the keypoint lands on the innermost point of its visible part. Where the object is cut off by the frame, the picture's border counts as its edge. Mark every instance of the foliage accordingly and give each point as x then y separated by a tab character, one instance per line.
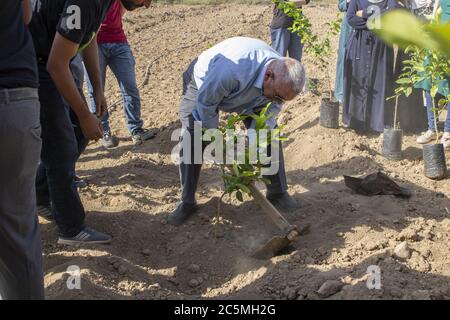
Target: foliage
236	176
404	29
318	47
429	49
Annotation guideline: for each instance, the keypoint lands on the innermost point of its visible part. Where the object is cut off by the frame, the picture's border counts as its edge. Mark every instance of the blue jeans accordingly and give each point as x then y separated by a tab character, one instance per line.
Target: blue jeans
285	41
431	113
119	57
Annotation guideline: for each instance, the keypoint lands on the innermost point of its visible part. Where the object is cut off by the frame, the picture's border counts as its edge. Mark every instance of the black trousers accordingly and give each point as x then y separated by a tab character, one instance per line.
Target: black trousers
42	187
190	172
60	152
21	274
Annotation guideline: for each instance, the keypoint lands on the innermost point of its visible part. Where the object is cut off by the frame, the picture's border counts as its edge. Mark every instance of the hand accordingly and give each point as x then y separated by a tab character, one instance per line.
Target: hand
359	13
91	127
101	106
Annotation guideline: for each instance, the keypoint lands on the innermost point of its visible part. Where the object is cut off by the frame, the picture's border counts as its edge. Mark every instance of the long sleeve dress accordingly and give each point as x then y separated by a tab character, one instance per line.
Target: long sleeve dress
368	71
344	35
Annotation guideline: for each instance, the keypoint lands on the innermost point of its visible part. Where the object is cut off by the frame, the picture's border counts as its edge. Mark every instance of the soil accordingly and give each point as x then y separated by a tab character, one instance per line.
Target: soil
132	189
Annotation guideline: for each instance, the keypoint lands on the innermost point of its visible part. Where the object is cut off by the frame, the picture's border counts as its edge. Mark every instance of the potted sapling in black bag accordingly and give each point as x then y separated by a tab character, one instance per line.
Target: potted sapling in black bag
393	137
431	43
321	51
435	166
436	68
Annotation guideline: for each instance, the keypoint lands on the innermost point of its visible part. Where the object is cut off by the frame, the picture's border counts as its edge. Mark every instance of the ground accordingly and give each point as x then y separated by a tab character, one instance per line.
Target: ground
133	189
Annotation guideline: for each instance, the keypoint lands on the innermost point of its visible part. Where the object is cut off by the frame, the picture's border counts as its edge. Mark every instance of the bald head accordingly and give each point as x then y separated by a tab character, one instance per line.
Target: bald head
284	79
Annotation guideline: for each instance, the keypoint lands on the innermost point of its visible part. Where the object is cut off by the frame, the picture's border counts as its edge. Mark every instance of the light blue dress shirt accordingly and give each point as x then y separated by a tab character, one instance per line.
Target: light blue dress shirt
229	77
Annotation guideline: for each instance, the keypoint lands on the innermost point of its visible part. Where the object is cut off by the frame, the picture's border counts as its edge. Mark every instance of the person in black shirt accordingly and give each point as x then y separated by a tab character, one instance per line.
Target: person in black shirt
20	243
283	40
61	29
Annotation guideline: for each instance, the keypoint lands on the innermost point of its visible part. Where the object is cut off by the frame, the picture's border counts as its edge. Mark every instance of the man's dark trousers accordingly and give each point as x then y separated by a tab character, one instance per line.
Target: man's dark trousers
60	152
21	274
42	189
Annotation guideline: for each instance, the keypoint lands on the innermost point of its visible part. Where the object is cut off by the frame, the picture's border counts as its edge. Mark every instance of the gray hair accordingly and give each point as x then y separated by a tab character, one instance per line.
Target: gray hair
291	73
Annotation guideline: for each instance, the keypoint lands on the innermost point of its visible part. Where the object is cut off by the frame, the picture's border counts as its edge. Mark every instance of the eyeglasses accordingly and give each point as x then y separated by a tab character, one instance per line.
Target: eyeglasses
276	98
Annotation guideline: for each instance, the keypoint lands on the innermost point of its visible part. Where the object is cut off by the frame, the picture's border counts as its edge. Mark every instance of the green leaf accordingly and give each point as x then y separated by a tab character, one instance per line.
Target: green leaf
403	81
443	103
239	196
402	28
235	168
408	91
244	188
434	90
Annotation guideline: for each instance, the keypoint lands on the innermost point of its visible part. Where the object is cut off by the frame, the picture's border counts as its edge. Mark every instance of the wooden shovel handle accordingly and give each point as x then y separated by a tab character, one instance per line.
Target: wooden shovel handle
271	211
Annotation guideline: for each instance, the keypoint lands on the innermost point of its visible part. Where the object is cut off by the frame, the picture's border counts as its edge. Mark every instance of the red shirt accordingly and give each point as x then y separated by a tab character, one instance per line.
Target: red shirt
111	30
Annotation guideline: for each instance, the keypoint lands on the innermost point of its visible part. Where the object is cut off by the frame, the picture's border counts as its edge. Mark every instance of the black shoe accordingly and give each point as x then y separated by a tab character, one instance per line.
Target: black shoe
283	201
86	236
181	213
46	212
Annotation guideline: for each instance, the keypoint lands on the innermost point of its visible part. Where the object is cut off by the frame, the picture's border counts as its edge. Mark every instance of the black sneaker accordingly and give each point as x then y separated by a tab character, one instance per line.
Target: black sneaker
46	212
283	201
181	213
141	135
86	236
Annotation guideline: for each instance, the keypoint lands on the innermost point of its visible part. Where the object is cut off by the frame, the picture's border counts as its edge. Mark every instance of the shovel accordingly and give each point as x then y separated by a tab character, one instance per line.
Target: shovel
277	243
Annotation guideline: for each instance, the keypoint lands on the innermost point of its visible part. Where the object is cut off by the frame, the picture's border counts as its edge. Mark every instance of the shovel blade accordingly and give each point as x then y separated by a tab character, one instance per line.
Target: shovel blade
271	248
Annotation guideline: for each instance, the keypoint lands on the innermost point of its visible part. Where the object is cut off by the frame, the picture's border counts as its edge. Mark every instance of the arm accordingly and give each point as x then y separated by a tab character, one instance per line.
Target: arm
58	66
91	62
218	84
27	12
356	18
122	9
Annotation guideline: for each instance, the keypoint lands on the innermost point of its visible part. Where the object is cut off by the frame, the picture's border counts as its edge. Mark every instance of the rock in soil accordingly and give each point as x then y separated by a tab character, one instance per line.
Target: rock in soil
329	288
402	251
193	283
194	268
290	293
122	270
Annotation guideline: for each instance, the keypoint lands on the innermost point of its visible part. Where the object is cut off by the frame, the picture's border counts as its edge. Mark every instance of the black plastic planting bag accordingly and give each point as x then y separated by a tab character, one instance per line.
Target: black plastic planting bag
376	184
434	161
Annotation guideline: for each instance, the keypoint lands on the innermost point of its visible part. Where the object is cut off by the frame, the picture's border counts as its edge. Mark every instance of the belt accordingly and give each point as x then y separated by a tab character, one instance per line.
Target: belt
18	94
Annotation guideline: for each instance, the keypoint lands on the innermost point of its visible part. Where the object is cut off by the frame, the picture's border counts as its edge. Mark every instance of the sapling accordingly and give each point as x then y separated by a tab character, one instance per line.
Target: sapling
426	65
429	48
318	48
238	176
404	84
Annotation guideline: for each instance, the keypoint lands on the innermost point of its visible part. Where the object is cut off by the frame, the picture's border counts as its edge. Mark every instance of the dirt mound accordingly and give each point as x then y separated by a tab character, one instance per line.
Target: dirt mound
133	188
